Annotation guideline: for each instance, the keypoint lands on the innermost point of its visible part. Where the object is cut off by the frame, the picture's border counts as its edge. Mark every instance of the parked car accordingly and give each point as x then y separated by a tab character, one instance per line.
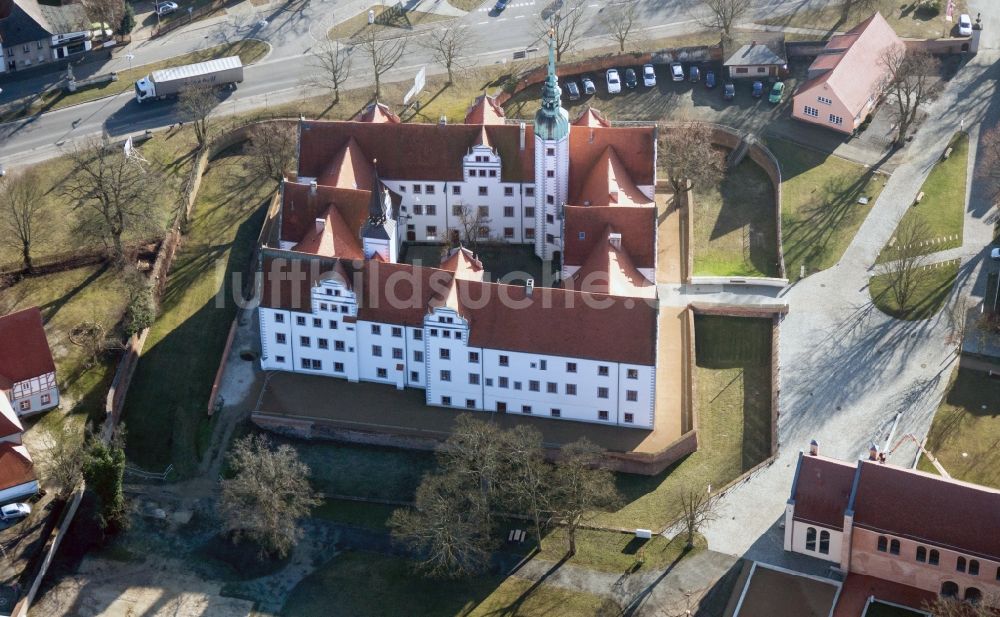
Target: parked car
648	76
614	81
694	74
709	79
13	511
631	81
777	91
572	90
964	25
676	71
165	8
588	85
995	254
729	91
501	5
758	89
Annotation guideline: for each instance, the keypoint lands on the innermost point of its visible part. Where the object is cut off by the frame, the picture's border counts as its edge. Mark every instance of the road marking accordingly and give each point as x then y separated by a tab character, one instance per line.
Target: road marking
483	22
520	16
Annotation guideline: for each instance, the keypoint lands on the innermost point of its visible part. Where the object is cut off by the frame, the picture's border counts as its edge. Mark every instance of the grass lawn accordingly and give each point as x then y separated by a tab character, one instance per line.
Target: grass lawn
820	212
66	299
943	207
385	23
249	50
900	15
357	513
930	294
165	409
968	422
734	227
517	596
733	403
610	551
347	469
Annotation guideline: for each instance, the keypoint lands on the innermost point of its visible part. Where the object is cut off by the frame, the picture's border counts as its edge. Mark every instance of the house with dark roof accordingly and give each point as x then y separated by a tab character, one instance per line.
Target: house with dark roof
33	32
761	57
845	82
17	471
27	371
898	535
336	302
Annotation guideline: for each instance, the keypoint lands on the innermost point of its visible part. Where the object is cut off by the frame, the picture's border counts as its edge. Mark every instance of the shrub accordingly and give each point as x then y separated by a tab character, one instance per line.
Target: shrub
128	20
140	313
929	8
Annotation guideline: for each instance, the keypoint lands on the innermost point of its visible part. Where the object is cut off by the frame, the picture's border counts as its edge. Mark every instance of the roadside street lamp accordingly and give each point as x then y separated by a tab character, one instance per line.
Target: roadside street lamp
130	57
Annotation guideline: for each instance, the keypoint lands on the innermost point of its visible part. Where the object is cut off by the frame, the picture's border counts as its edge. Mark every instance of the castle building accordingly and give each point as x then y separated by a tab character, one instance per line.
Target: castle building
336	301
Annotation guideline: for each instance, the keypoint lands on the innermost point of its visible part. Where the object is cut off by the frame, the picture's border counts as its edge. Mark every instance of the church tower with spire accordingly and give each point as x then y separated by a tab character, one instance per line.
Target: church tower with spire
379	234
551	164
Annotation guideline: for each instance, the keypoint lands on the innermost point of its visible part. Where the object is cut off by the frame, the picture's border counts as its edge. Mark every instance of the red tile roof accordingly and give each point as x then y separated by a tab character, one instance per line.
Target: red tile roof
378	113
336	238
485	111
610	184
857	588
609	270
24	350
635	148
10	424
590	117
349	169
636	224
928	508
301	207
16	467
822	490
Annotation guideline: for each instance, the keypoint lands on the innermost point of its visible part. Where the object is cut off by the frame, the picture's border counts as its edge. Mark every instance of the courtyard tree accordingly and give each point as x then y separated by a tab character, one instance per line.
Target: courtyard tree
22	208
621	20
448	45
446	526
724	15
562	24
108	13
331	63
697	508
905	272
472	223
527	477
474	453
911	78
687	158
113	191
65	453
944	606
988	168
196	104
383	54
580	487
267	496
270	150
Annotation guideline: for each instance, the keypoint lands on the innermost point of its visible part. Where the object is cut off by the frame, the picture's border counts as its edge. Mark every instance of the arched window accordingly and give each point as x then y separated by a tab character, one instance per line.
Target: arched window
824	542
894	547
810	538
883	544
973	595
934	558
949	589
960	564
921	554
973	567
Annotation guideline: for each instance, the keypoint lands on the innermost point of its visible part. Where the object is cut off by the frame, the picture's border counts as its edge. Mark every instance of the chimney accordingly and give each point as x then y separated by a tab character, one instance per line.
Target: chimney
313	186
529	287
813	448
521	127
873	452
592	135
615	239
442	120
320	225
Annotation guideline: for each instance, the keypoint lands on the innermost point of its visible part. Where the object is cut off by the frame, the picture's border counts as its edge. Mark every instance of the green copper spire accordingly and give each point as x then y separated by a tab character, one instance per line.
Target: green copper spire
551	120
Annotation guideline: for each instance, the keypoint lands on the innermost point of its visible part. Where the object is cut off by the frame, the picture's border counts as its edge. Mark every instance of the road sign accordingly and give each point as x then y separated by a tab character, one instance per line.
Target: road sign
418	84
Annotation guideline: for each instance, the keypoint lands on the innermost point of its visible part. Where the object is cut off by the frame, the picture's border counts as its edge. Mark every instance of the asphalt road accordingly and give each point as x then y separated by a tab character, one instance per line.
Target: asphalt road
293	30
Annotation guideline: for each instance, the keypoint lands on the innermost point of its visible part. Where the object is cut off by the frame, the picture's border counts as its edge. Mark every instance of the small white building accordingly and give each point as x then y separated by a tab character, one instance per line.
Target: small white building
27	371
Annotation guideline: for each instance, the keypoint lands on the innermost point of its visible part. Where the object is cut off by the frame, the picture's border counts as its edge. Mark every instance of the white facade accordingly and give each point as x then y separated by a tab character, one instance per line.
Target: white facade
815	540
34	395
438	358
551	193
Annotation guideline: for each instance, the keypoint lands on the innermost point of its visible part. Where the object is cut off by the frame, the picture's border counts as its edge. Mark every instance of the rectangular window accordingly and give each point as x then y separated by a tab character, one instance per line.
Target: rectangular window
811	111
508	233
279	359
414	376
742	69
418	356
434	332
304	341
533	385
456	190
432	231
543	364
473	357
529	191
552	387
445	375
317	323
529	212
472	173
529	233
571	367
338	367
555	413
504	361
602	415
824	100
503	382
456	210
416	189
632	373
526	409
493	173
26	405
550	152
836	120
550	173
602	371
279	338
483	191
508	211
631	395
418	335
446	333
629	418
279	318
300	320
343	309
333	324
323	343
444	354
458	336
377	351
382	373
446	400
418	209
484	211
602	393
482	173
376	329
474	379
431	209
571	389
306	364
397	353
550	199
338	345
429	189
508	191
470	403
397	332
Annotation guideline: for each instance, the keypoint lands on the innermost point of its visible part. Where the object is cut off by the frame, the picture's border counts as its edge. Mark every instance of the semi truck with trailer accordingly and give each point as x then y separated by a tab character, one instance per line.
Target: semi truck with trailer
216	73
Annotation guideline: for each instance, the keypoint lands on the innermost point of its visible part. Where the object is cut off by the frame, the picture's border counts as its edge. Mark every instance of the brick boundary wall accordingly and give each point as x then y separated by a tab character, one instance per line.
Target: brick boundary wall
687	235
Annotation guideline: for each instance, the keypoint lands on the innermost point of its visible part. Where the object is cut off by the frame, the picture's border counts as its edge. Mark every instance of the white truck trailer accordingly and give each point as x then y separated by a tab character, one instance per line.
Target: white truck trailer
171	82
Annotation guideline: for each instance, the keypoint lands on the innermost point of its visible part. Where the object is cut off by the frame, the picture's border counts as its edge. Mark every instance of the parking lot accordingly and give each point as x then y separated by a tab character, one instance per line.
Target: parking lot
683	100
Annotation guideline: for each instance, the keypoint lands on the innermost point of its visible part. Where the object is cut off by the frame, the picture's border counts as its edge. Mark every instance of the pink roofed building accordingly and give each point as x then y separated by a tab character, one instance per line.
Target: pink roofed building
845	81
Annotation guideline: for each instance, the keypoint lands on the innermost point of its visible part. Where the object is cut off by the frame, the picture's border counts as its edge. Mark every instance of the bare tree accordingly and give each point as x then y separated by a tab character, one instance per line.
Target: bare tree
446	527
383	55
268	494
109	12
332	64
474	453
580	487
723	15
22	202
270	150
448	45
686	156
905	271
472	222
65	453
196	104
114	192
910	79
953	607
697	508
527	476
561	25
988	167
620	20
